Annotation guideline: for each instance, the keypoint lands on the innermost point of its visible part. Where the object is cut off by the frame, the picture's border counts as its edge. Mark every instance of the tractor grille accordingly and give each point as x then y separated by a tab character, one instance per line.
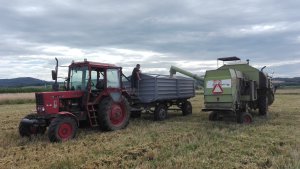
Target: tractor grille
39	99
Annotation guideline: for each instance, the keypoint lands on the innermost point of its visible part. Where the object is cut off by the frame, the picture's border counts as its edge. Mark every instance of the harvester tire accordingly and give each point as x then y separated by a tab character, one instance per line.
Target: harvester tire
62	128
113	115
263	105
213	116
245	118
186	108
160	112
27	131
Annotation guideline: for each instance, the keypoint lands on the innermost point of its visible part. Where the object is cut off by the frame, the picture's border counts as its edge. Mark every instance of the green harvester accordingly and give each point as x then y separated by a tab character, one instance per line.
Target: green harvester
236	88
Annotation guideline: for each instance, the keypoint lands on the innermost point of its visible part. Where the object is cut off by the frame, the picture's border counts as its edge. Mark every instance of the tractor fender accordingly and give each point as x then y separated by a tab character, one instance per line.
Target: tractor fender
65	113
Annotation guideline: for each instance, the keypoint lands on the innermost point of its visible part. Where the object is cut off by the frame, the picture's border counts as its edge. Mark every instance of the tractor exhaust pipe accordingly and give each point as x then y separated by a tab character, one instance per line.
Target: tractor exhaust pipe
55	86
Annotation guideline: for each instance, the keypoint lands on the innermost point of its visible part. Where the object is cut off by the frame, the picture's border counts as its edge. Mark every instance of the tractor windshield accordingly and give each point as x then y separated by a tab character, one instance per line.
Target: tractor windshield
79	78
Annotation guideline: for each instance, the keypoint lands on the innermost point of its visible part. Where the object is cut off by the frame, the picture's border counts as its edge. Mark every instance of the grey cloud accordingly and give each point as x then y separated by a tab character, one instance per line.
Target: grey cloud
180	30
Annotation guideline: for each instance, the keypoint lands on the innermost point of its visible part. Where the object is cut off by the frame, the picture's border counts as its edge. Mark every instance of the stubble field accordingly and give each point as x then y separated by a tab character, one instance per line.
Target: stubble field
179	142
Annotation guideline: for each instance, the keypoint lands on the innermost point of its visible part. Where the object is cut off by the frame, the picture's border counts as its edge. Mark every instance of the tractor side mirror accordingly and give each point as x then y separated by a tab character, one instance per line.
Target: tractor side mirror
54	75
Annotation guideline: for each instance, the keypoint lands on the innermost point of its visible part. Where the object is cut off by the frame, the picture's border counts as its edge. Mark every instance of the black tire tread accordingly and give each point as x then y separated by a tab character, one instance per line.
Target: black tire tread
263	105
241	117
185	108
103	115
52	130
157	116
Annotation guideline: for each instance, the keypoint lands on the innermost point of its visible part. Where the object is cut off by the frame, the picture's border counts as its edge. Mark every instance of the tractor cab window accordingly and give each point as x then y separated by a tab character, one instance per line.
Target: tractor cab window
79	78
113	78
97	79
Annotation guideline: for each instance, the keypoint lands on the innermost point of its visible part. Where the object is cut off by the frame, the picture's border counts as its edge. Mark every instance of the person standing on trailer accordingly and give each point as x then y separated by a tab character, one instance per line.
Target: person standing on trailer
135	77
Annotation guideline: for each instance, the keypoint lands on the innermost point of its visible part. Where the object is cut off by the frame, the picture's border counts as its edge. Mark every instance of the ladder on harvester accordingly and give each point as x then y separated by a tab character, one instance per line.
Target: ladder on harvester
92	114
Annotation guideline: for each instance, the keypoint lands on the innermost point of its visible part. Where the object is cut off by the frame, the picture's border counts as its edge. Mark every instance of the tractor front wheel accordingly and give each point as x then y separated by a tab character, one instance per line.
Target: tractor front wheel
62	129
245	118
160	112
187	108
113	115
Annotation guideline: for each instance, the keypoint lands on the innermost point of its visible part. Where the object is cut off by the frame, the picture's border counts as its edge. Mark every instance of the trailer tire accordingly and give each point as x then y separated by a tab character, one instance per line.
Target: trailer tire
186	108
113	115
160	112
62	128
263	105
27	131
245	118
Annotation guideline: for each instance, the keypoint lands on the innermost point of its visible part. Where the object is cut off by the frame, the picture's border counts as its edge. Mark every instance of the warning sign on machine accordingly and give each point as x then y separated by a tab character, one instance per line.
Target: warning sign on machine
217	86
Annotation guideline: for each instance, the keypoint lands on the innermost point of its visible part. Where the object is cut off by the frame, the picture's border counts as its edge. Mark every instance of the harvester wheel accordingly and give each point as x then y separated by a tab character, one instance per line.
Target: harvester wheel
62	129
263	105
113	115
245	118
160	112
27	130
213	116
186	108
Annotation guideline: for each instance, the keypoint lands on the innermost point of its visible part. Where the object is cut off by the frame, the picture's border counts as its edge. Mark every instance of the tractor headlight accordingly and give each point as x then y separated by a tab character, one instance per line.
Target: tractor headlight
40	108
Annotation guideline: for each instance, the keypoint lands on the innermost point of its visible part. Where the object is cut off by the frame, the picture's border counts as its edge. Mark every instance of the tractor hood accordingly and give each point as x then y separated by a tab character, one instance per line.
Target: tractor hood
48	102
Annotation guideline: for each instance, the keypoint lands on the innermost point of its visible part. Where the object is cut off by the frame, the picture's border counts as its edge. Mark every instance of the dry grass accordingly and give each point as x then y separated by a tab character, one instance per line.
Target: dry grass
288	91
179	142
16	98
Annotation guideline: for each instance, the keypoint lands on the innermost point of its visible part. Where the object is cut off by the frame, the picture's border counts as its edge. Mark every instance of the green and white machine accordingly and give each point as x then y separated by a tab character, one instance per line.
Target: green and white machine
235	89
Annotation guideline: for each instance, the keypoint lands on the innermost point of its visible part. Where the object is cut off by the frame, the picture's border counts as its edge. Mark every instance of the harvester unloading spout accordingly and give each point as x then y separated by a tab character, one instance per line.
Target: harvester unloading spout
174	69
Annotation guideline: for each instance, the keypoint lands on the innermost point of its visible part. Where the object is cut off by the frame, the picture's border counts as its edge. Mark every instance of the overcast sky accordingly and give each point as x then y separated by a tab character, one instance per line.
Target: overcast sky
190	34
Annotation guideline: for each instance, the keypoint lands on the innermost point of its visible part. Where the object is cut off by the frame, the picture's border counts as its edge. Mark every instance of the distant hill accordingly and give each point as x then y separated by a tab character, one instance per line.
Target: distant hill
22	82
295	81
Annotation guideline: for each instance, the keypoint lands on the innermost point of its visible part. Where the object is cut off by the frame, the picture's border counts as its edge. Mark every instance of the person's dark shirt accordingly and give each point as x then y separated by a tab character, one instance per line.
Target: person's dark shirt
134	74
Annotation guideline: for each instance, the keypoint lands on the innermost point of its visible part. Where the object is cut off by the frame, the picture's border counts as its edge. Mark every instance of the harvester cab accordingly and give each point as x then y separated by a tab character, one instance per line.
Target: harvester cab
234	89
93	94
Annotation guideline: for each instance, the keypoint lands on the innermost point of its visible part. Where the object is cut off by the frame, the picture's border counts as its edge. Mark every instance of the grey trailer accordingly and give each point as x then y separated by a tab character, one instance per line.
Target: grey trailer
157	93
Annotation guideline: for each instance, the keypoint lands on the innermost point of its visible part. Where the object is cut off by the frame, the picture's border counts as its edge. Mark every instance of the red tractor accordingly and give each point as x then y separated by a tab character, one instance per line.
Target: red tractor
93	95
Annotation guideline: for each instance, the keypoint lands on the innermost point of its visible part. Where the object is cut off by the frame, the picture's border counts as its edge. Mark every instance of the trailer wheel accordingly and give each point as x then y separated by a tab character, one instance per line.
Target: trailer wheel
186	108
62	129
27	130
112	115
160	112
263	105
213	116
245	118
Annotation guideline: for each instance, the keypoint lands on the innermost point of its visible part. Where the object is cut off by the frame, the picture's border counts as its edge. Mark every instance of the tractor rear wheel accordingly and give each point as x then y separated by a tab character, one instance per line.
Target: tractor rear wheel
186	108
113	115
263	105
160	112
28	130
245	118
62	129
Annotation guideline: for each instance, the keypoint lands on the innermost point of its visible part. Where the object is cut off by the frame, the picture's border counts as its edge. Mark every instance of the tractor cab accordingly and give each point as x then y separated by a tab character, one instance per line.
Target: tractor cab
95	80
